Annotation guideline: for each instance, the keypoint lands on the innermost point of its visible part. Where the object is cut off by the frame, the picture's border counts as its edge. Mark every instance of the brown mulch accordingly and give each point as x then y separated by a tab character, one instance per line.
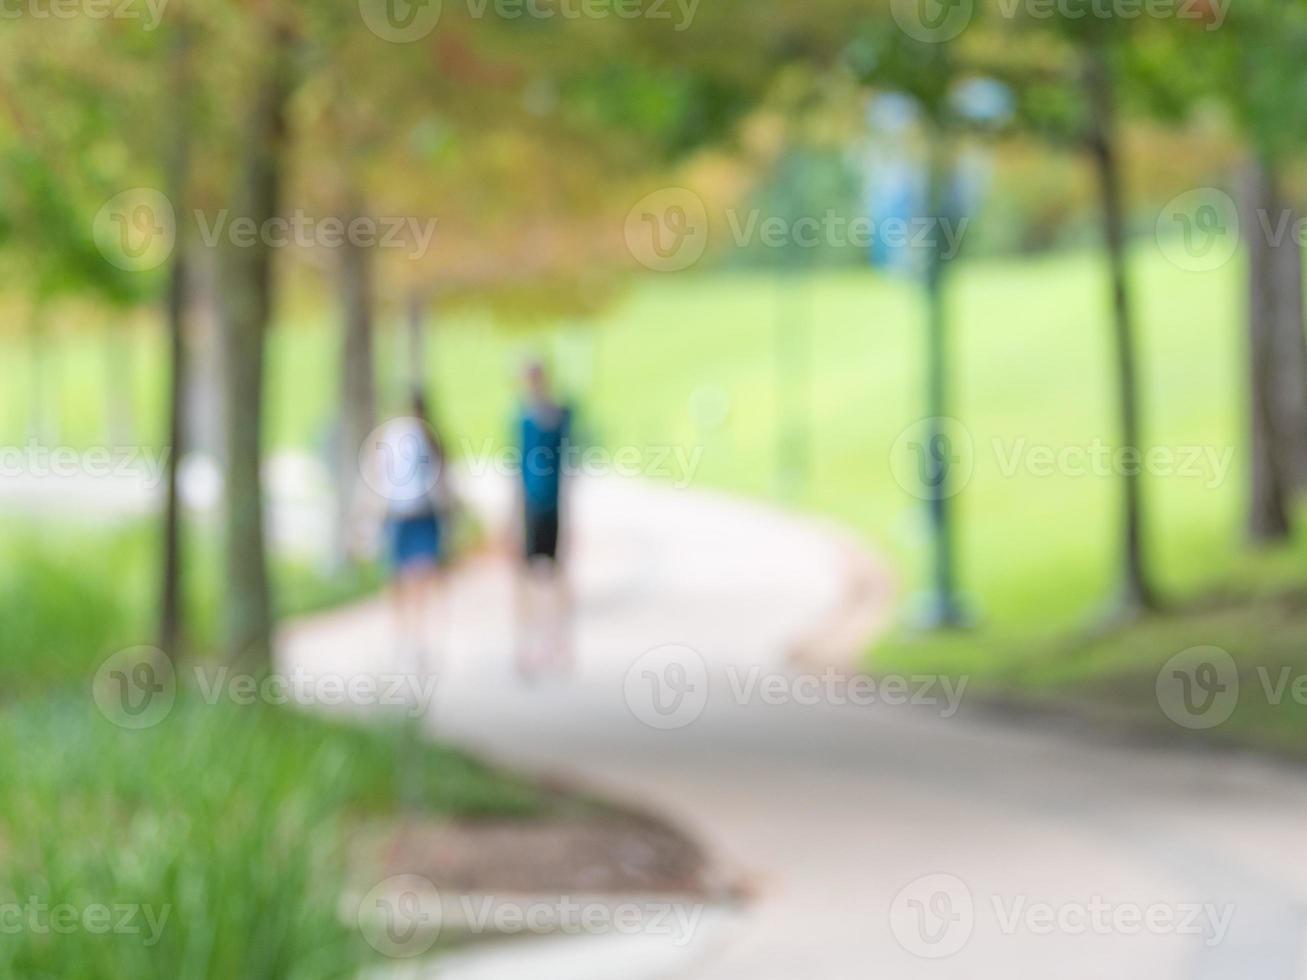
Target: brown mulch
590	853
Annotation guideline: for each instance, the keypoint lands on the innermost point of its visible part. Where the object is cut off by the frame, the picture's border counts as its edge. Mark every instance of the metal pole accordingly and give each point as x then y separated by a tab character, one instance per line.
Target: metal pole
944	607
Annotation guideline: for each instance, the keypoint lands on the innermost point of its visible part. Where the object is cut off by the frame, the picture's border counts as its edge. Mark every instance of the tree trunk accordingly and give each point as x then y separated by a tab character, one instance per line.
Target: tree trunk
206	409
358	398
414	350
1268	513
1136	589
247	308
1289	388
172	635
1277	355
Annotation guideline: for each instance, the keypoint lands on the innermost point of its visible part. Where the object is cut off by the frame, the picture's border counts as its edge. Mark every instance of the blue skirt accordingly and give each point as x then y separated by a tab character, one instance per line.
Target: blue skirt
414	541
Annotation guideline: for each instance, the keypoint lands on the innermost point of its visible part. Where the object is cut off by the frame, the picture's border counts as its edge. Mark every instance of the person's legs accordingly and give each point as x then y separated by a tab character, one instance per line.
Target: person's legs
524	598
429	595
405	604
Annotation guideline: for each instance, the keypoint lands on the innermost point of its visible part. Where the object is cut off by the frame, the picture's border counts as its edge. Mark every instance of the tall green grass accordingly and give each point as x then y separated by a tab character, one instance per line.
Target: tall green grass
229	820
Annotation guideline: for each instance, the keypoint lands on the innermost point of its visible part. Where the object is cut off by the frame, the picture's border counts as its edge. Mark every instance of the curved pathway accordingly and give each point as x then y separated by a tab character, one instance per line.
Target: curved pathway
875	838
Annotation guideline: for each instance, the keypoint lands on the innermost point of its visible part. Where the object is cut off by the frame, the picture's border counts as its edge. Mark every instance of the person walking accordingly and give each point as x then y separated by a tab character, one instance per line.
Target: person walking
409	474
543	596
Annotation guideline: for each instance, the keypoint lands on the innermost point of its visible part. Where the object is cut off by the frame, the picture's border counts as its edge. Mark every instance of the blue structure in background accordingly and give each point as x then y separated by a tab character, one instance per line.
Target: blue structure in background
895	168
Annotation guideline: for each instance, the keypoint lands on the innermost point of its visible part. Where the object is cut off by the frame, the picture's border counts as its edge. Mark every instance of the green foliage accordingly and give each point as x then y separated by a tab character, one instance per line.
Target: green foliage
230	821
65	606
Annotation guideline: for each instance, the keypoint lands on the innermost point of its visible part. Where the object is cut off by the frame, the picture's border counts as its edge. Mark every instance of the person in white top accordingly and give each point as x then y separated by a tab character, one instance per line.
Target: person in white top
407	473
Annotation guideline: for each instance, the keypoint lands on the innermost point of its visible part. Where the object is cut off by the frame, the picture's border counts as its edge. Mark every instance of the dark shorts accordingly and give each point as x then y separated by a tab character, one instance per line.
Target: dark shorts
542	534
414	542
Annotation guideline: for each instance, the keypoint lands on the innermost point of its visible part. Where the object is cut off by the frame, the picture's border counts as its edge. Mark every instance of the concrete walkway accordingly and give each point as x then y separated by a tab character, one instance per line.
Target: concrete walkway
880	840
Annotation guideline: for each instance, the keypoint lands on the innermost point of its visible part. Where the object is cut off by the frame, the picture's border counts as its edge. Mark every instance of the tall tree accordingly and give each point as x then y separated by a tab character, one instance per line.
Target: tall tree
247	305
1250	67
171	569
1068	72
1103	138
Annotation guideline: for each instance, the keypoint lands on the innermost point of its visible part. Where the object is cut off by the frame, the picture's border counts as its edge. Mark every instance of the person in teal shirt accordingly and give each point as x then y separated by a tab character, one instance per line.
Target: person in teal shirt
544	428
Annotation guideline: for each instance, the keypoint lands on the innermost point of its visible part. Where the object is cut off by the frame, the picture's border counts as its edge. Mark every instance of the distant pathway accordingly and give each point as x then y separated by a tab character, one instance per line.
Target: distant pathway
829	810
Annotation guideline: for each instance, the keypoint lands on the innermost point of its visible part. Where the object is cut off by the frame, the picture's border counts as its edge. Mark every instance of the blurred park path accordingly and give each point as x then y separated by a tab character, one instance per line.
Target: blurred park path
831	810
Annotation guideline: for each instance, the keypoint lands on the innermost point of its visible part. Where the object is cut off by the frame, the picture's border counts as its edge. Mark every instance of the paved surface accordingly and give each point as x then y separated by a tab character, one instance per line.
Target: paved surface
875	837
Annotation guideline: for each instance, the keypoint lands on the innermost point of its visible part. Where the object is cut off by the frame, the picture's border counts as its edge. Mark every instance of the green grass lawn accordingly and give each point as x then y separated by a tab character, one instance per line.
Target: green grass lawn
1032	367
